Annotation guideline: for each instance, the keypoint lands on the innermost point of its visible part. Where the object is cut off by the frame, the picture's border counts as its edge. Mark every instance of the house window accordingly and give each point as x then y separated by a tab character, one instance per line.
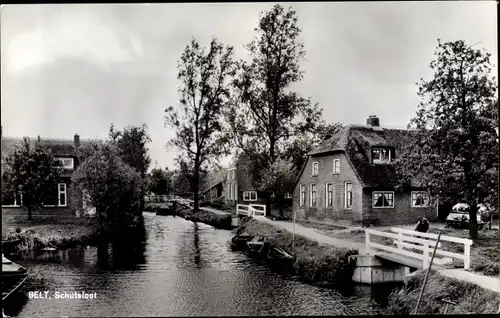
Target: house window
313	195
12	200
329	195
302	195
419	199
315	168
381	155
66	163
249	195
233	173
348	195
62	194
336	166
383	199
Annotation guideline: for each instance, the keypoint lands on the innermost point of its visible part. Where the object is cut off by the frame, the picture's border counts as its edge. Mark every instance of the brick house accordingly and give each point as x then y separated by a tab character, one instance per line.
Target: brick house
239	184
350	176
63	198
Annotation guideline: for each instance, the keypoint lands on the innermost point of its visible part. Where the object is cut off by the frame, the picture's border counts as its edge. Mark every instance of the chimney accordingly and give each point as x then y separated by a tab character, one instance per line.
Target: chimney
76	140
373	121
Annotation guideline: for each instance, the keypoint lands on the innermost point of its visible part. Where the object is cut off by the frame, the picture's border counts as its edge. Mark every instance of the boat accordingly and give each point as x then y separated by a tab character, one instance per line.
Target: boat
256	246
13	277
238	242
10	246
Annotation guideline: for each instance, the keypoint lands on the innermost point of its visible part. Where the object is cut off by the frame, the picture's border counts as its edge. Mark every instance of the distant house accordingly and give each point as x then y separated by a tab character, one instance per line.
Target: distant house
63	198
239	184
350	176
213	186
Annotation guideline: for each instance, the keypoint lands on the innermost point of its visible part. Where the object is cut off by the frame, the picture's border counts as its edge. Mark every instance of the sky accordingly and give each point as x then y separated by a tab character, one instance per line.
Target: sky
76	68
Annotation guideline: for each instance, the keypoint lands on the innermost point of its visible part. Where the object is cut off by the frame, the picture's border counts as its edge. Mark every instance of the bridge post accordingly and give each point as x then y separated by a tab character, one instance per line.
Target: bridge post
367	242
426	255
467	256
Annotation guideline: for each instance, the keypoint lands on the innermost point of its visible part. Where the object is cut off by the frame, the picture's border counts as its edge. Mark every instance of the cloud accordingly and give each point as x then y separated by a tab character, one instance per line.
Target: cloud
70	34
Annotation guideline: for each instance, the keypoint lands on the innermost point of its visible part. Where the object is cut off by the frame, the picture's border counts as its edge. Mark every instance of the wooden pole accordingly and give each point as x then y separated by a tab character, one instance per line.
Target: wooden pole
427	273
293	235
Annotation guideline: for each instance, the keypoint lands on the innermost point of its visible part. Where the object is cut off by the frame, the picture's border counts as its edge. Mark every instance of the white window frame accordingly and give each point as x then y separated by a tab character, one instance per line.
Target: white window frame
383	207
326	195
426	199
15	205
380	149
302	195
70	166
247	195
315	164
336	166
59	192
345	196
288	195
235	192
311	196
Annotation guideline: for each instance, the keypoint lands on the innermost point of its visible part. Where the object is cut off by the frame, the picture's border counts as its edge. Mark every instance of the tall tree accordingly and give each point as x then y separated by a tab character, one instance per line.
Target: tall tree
197	120
265	111
132	145
29	174
456	142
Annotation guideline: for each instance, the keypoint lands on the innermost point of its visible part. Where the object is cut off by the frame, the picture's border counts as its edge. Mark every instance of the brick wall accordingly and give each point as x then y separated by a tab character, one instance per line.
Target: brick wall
73	204
402	212
325	175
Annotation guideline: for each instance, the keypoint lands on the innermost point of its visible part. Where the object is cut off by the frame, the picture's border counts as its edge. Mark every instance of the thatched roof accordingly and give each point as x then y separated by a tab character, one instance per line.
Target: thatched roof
356	141
59	147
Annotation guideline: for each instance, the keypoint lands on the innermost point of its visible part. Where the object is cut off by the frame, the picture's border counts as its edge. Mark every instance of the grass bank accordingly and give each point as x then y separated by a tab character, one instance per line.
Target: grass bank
52	232
470	298
219	221
314	262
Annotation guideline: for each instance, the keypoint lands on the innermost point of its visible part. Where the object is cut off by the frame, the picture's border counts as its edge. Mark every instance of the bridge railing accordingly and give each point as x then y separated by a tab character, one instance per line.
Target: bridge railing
424	242
251	210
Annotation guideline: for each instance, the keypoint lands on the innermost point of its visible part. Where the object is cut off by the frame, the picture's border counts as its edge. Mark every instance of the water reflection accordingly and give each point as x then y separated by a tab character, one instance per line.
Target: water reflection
172	267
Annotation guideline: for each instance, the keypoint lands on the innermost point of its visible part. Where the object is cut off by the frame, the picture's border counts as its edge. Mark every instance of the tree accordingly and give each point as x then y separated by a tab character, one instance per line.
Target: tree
279	179
114	188
455	144
30	172
131	143
197	120
265	112
159	181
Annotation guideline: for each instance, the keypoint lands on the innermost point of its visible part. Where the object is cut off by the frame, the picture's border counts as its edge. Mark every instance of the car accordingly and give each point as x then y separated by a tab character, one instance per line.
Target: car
459	216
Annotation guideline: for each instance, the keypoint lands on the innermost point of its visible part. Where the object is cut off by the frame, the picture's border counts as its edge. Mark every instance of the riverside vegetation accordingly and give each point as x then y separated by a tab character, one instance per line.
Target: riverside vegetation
313	262
470	298
49	232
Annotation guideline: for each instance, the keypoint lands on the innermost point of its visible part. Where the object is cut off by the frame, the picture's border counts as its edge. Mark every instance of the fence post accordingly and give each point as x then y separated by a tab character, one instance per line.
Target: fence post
367	242
426	255
467	256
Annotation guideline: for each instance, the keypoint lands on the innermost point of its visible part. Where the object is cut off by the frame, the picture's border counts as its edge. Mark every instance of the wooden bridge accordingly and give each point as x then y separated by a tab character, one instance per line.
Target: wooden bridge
251	210
414	249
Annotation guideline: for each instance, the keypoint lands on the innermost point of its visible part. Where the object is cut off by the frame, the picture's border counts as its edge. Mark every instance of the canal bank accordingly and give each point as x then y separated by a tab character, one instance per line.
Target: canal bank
317	263
48	232
174	268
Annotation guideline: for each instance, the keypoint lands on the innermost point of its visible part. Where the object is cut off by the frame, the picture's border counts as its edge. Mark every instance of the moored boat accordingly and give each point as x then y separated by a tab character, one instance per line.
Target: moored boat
13	277
239	242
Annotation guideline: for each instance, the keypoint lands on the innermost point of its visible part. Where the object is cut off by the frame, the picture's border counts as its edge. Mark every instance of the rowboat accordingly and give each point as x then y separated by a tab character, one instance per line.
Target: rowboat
13	277
238	243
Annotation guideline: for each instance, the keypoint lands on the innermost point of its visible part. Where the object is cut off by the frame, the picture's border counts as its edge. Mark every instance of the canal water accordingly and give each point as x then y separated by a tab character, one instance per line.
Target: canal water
174	268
